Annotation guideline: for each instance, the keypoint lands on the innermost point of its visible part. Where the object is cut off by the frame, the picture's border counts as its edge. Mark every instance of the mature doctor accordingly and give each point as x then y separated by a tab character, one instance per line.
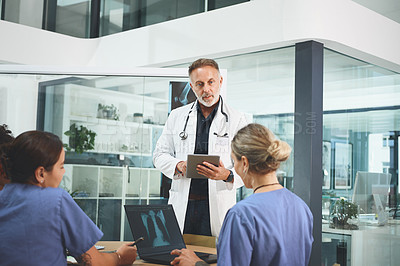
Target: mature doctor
205	126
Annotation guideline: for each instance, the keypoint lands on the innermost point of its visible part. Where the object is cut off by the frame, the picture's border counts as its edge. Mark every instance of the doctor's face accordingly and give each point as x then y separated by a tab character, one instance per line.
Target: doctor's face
206	83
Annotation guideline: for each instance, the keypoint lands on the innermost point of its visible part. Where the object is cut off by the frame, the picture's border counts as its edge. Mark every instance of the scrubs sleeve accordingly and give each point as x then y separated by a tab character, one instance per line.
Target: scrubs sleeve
235	241
78	231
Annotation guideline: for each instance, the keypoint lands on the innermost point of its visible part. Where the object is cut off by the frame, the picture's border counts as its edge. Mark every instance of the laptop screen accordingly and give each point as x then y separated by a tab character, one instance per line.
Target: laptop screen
158	225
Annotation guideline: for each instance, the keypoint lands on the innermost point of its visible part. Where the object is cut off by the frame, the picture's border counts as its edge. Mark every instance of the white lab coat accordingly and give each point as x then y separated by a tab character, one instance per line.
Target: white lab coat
171	149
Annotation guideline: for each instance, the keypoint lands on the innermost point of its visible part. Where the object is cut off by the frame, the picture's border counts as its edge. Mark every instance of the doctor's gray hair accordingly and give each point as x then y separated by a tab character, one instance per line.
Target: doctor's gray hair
202	62
261	148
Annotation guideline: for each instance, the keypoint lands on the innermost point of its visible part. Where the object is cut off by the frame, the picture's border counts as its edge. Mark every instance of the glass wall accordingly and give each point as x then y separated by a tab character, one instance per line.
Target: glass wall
261	85
360	162
69	17
125	116
25	12
109	126
94	18
215	4
118	16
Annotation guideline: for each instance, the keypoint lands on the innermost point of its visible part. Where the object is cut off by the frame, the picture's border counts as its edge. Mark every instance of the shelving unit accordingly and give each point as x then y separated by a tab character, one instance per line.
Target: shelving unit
123	136
103	190
106	189
127	112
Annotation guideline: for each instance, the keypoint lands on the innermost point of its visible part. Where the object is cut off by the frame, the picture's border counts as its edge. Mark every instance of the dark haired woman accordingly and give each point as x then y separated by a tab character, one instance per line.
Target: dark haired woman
40	221
5	138
271	227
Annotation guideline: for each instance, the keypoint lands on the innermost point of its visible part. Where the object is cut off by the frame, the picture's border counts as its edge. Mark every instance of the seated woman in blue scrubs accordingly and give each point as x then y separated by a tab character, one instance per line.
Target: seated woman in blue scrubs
271	227
39	222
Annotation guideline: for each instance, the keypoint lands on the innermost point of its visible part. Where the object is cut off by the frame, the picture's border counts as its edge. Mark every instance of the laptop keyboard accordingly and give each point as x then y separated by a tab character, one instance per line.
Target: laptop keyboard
201	255
161	258
166	258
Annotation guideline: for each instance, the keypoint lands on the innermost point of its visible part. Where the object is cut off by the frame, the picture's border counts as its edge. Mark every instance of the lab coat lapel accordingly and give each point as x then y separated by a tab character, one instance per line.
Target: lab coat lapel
191	129
215	128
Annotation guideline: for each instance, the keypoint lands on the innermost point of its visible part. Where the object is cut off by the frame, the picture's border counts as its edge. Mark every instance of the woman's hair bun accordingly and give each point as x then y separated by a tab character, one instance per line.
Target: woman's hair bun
260	146
279	150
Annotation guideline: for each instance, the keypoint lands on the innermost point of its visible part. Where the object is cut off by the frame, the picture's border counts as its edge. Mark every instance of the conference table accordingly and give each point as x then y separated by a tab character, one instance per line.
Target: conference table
114	245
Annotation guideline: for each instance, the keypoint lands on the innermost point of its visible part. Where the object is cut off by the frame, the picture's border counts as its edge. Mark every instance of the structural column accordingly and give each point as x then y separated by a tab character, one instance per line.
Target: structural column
308	134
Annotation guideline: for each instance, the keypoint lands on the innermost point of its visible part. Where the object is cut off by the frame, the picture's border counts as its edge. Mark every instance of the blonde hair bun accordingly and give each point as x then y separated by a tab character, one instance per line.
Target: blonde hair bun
279	150
260	146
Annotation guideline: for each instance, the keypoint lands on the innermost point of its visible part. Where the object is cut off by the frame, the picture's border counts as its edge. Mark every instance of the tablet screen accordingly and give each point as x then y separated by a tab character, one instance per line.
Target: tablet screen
195	159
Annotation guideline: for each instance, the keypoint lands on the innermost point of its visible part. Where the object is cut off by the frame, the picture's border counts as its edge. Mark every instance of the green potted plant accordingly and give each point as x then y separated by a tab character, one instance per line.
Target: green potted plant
343	214
80	138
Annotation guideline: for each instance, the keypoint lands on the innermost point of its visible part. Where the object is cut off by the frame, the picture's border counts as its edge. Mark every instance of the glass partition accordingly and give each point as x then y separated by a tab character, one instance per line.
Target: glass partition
360	162
79	18
109	126
117	16
261	85
214	4
70	17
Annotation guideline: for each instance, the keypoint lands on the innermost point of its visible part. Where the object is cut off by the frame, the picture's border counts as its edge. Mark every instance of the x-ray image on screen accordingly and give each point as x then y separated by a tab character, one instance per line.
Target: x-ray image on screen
157	232
181	94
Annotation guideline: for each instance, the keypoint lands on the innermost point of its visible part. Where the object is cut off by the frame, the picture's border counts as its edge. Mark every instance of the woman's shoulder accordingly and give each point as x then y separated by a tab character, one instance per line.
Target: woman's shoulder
246	205
262	201
55	191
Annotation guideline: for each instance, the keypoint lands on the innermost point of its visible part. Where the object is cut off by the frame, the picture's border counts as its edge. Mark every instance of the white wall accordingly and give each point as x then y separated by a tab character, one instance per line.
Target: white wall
18	103
31	46
341	25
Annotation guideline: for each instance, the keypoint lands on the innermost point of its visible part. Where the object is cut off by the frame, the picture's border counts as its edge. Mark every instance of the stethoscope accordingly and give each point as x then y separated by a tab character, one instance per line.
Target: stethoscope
183	135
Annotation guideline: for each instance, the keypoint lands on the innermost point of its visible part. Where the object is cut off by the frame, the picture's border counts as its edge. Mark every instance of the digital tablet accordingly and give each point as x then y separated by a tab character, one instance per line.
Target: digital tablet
195	159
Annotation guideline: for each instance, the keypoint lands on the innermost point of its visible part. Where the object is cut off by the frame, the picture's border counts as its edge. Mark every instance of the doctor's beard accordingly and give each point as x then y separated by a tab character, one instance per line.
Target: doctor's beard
206	104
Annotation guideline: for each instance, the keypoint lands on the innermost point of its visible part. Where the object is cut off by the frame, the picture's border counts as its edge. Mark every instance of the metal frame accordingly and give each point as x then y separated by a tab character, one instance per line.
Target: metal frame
49	15
3	7
94	18
93	71
308	142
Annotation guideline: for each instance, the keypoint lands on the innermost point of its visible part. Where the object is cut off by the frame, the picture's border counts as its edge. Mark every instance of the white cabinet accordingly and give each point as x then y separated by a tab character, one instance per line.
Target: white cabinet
102	191
124	136
118	170
127	112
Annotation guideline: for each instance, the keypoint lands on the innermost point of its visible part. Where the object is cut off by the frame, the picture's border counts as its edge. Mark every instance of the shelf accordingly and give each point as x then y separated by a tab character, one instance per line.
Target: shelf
89	120
112	93
85	198
142	198
121	153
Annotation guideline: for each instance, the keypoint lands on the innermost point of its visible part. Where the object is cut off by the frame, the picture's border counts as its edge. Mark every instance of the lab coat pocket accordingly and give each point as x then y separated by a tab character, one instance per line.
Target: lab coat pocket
222	145
173	195
174	187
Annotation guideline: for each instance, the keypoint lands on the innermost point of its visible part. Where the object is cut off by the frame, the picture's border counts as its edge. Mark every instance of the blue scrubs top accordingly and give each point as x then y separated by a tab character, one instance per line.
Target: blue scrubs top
37	225
270	228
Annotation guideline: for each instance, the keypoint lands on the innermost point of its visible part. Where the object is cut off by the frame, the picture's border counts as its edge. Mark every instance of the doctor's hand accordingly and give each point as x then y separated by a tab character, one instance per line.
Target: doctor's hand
186	257
213	172
180	168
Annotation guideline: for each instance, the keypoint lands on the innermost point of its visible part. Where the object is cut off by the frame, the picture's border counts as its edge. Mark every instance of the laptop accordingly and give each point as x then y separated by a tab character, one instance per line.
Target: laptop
160	229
